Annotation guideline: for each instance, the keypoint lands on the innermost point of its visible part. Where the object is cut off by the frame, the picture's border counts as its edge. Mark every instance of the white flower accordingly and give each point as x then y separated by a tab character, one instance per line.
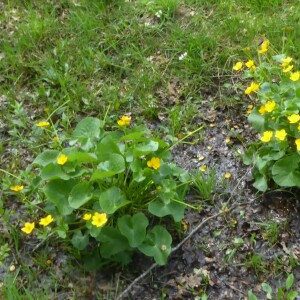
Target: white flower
182	56
158	14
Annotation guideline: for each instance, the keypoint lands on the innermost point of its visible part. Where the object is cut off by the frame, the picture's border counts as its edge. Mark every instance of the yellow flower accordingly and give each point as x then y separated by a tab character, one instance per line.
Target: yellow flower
46	221
62	159
227	175
154	163
124	121
252	88
17	188
267	135
87	217
264	47
56	139
203	168
285	62
298	127
99	219
237	66
28	227
269	106
297	142
288	69
295	76
262	110
250	64
43	124
280	134
293	118
227	140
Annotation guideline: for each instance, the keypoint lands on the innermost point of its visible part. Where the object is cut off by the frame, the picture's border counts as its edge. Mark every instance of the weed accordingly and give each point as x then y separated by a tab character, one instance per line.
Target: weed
205	183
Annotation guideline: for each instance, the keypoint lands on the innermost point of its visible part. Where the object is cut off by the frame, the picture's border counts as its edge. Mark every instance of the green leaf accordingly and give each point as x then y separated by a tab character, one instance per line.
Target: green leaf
133	136
278	58
133	228
92	260
87	128
251	296
112	199
285	171
57	191
168	191
107	147
161	209
257	120
157	244
111	167
266	288
238	241
46	157
260	182
82	157
289	282
80	241
145	148
80	194
291	295
53	171
112	242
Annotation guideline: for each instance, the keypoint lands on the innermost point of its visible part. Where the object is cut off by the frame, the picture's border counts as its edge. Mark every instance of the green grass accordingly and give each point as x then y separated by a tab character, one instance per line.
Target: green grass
68	59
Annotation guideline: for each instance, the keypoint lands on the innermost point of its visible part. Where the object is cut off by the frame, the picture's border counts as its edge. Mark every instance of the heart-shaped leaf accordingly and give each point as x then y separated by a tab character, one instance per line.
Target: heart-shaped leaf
57	191
53	171
157	244
133	228
79	240
87	128
161	209
80	194
112	199
112	242
286	171
114	165
46	157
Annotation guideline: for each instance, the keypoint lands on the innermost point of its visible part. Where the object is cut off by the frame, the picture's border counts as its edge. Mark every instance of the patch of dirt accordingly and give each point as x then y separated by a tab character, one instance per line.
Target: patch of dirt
256	241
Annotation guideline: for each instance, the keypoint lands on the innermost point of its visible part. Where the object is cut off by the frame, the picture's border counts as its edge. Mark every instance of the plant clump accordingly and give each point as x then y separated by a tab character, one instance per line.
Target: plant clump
104	189
275	116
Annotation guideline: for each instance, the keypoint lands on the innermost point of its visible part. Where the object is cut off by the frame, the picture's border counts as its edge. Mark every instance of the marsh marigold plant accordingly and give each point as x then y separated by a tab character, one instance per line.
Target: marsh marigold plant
275	87
102	192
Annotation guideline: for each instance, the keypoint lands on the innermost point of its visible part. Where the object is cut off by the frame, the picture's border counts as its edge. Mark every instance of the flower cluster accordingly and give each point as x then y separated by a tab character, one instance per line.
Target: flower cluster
28	227
124	121
264	47
154	163
276	117
17	188
98	220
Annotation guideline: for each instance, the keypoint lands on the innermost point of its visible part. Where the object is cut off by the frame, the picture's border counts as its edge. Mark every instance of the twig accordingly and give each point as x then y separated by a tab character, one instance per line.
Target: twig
41	243
135	281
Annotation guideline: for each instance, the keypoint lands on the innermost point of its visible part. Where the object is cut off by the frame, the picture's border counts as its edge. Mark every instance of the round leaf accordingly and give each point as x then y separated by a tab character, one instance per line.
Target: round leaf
87	128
